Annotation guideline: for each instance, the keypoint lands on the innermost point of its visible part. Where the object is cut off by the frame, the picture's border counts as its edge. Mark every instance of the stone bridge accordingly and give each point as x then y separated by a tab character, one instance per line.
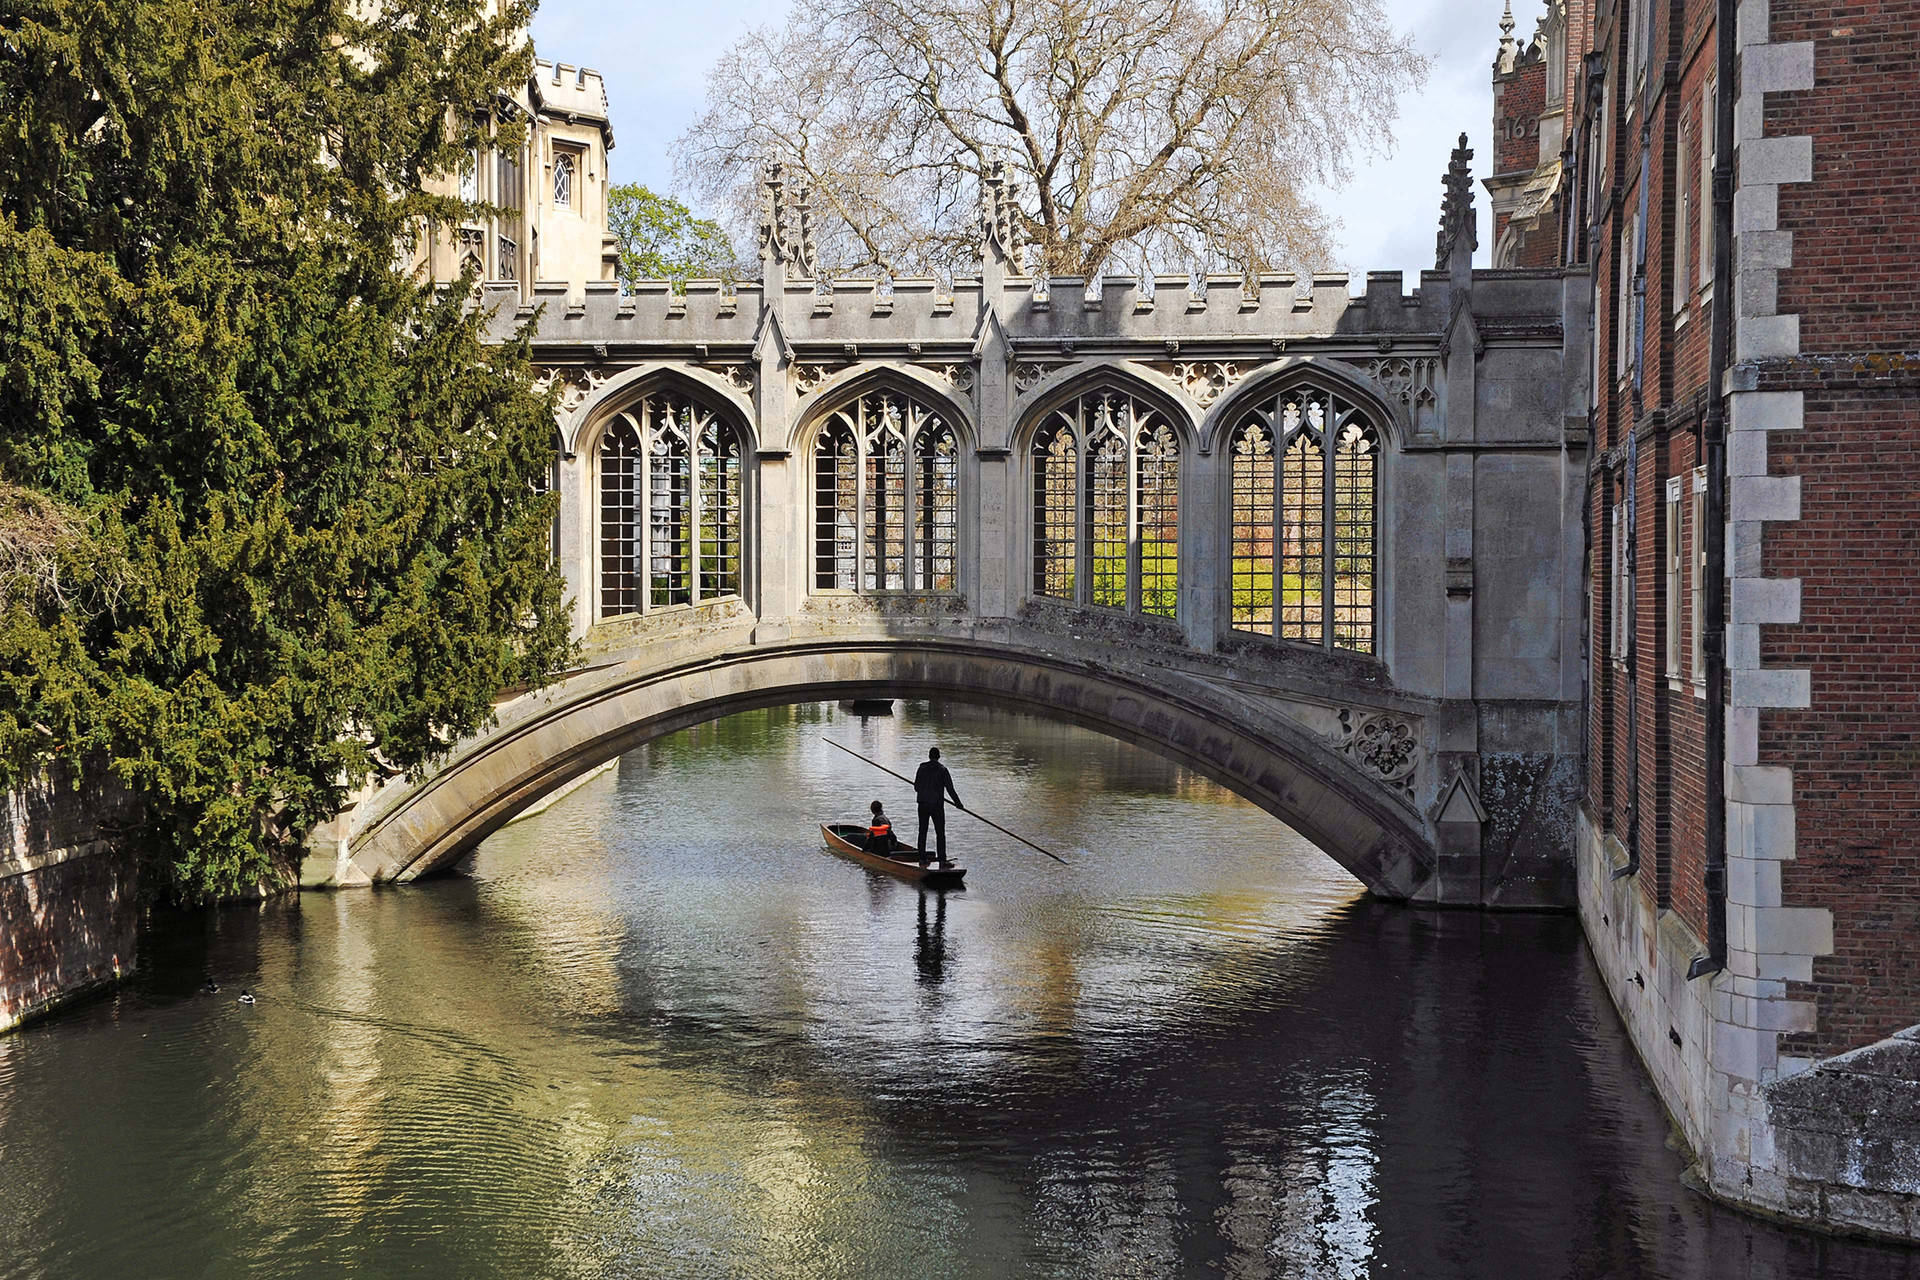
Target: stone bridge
1323	547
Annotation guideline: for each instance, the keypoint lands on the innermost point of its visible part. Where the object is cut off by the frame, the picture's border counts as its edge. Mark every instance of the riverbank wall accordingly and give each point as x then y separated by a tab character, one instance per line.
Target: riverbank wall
1832	1144
69	910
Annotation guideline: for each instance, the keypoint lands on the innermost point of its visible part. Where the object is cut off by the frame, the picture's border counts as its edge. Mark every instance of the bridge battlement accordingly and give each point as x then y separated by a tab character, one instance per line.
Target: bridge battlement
1322	546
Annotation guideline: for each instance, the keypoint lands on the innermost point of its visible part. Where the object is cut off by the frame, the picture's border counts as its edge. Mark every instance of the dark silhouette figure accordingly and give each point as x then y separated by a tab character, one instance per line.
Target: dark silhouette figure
932	784
880	838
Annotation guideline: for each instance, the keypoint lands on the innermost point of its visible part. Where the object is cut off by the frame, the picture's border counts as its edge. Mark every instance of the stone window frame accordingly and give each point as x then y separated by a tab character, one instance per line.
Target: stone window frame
870	531
651	440
569	166
1356	431
1140	437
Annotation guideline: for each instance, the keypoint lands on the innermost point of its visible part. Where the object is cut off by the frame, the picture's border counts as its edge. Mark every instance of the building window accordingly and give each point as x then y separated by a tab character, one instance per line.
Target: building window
509	259
1617	647
1682	218
470	176
1675	564
1305	490
670	500
1623	303
1697	558
1106	505
1709	157
564	178
886	495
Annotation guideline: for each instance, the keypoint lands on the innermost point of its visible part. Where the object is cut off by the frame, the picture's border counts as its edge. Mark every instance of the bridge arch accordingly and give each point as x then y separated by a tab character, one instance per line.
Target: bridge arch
595	716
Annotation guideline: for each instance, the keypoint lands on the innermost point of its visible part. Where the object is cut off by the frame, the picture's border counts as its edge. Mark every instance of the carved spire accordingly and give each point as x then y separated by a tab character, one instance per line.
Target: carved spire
800	246
1509	48
786	228
999	209
1458	225
773	211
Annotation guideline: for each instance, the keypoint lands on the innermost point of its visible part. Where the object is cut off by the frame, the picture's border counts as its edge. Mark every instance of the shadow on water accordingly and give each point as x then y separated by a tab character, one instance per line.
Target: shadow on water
660	1032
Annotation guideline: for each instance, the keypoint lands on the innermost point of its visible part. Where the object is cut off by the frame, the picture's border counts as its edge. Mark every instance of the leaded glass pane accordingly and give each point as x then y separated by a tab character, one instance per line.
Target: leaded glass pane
669	502
1354	491
1302	549
1107	507
884	565
836	507
936	507
1159	474
1056	517
1253	512
719	512
620	462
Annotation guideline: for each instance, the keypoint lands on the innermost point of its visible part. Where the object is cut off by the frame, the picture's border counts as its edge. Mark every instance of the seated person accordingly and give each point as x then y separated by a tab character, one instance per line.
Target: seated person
880	832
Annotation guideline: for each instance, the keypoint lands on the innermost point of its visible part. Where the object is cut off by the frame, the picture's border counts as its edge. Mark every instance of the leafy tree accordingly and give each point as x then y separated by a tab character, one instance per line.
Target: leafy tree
660	239
286	483
1176	130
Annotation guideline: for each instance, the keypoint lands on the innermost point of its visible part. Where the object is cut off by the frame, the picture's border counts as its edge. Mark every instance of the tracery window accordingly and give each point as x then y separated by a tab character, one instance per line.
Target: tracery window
886	492
1305	489
1106	504
563	181
670	502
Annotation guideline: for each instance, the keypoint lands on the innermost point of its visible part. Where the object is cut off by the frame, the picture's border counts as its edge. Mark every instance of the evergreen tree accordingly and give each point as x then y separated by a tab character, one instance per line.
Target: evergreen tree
268	522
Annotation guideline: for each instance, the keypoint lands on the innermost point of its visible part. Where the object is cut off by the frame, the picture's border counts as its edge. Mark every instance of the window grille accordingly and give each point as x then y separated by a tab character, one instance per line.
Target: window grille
563	167
670	531
1106	505
1253	522
719	512
1306	531
671	500
621	461
936	508
1056	521
509	259
886	492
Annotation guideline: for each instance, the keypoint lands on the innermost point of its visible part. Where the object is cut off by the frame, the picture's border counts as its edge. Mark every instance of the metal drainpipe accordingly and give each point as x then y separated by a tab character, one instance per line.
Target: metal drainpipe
1713	440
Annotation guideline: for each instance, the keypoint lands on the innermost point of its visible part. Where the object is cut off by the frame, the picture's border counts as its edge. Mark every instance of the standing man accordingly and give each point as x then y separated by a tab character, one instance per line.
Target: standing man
932	784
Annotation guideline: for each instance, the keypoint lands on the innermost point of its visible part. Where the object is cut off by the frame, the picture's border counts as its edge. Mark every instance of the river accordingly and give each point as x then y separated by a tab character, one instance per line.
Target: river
656	1031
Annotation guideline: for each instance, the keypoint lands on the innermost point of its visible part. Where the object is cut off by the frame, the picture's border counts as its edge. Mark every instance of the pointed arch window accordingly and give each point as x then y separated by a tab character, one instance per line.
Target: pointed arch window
1106	505
886	493
1305	489
670	506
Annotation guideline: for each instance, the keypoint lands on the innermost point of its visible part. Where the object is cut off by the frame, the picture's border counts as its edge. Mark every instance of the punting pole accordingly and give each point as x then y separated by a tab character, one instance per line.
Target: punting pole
970	813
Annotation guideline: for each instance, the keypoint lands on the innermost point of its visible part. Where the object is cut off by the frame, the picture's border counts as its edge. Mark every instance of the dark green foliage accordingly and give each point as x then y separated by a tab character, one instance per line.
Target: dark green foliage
660	239
310	546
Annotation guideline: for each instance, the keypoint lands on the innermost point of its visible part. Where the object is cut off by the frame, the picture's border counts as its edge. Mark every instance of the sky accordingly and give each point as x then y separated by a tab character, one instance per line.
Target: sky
655	55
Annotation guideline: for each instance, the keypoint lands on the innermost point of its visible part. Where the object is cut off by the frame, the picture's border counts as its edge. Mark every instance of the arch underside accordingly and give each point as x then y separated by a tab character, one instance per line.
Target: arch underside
593	717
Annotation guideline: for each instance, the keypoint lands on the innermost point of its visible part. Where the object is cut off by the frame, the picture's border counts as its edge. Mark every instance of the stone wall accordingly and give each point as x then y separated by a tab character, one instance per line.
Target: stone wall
68	909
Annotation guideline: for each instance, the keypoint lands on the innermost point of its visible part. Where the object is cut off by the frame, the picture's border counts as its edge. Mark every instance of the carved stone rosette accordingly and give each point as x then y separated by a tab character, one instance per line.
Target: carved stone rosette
1386	747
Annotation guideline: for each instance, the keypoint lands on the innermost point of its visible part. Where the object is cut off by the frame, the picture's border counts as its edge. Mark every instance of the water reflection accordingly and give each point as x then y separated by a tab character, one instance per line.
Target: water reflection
660	1032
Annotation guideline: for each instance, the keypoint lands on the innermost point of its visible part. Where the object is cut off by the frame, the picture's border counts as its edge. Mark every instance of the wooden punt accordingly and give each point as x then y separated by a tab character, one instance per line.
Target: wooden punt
849	840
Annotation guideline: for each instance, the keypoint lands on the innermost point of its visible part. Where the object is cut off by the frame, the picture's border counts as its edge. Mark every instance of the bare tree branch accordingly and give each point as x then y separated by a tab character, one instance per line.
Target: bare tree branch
1183	131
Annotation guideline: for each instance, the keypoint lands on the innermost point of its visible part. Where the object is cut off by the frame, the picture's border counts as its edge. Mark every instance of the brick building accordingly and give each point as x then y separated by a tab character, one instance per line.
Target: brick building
1750	866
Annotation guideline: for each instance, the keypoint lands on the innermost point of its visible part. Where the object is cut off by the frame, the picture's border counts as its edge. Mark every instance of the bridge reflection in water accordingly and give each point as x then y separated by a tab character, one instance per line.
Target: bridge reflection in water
658	1032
